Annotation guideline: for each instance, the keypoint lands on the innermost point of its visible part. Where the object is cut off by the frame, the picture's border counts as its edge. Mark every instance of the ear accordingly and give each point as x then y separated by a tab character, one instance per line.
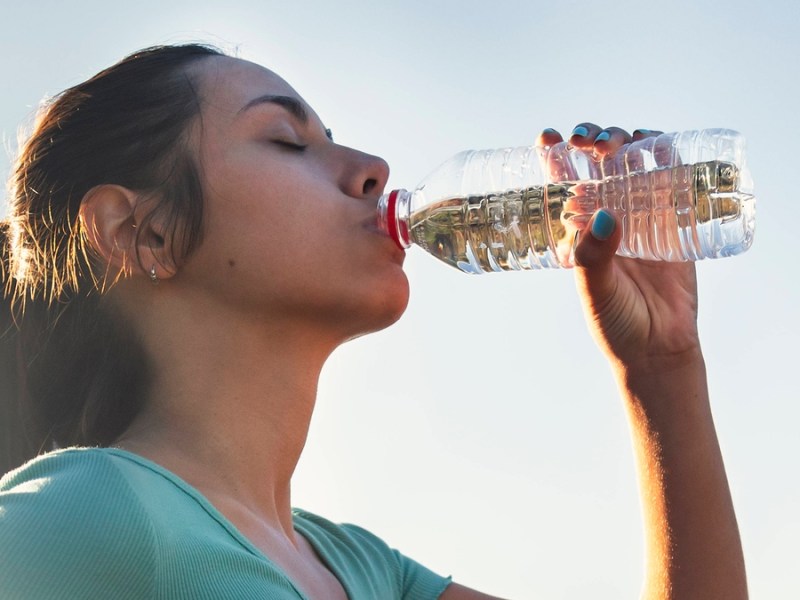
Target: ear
115	223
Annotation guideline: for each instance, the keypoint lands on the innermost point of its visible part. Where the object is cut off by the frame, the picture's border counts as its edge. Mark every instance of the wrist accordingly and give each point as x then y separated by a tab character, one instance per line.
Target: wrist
662	365
665	385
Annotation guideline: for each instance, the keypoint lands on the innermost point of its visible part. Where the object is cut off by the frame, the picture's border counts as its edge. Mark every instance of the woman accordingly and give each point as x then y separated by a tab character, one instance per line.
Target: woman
169	318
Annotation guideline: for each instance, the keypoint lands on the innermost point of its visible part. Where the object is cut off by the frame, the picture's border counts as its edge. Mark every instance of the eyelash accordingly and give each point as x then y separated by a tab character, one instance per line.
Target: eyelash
290	145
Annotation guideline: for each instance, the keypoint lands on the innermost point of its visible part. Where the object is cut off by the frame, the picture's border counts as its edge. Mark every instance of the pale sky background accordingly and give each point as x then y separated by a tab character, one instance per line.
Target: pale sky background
482	435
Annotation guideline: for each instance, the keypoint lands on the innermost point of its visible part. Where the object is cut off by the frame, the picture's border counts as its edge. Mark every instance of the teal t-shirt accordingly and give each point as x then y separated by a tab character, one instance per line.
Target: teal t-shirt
85	523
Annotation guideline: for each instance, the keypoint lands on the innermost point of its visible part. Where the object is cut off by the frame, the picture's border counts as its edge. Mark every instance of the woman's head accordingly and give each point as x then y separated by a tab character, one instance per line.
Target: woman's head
125	126
290	215
128	173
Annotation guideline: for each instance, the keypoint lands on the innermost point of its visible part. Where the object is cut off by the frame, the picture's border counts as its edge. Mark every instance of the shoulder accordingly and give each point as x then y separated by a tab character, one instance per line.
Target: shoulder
73	488
71	526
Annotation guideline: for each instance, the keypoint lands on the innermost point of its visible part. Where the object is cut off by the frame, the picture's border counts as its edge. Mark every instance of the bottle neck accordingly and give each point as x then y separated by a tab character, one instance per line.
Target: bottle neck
394	210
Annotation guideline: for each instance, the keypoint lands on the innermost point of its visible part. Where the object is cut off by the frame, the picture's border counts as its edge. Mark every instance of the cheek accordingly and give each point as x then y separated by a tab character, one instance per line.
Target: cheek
277	238
257	212
272	255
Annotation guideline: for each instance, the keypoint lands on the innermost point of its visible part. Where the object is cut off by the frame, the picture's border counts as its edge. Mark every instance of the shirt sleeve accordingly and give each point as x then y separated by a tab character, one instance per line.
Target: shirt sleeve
71	528
369	567
416	582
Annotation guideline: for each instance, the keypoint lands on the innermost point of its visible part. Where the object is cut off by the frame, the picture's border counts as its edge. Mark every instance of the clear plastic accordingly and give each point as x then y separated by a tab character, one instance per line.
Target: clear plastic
678	197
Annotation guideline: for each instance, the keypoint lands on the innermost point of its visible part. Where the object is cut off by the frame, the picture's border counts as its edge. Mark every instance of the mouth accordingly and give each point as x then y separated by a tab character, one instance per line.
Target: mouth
371	224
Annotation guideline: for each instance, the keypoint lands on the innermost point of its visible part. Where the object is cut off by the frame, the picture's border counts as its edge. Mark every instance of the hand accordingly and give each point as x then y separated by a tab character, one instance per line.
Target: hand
643	314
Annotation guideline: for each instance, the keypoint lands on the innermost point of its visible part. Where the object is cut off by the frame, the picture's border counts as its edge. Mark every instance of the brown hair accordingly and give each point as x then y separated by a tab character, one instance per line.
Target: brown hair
72	372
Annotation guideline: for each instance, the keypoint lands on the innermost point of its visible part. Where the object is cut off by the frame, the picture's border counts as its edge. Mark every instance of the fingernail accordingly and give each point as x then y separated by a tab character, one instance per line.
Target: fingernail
603	136
603	225
580	131
549	130
642	131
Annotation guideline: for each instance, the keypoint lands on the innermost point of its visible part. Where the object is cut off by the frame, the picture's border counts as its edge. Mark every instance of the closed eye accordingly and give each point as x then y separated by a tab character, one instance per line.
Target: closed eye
290	145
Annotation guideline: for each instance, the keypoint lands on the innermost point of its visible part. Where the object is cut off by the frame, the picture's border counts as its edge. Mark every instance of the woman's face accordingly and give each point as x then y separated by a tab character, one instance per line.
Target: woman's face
290	227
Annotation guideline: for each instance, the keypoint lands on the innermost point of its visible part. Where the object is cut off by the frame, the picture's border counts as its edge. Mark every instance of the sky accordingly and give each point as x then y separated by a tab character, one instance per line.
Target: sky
482	434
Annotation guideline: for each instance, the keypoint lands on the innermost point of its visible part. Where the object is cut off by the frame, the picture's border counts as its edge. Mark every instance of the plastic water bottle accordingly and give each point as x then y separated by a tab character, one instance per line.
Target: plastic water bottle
678	197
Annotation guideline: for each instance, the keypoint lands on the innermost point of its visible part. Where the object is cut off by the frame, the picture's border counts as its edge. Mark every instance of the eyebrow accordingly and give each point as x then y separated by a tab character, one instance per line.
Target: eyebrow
293	105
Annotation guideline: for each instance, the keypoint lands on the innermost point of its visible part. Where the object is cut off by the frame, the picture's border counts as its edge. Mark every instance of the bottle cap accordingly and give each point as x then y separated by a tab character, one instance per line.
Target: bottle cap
396	227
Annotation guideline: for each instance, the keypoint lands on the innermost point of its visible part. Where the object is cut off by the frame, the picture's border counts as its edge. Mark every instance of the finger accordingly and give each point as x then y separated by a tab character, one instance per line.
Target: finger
553	155
610	140
549	137
583	135
641	134
598	242
593	256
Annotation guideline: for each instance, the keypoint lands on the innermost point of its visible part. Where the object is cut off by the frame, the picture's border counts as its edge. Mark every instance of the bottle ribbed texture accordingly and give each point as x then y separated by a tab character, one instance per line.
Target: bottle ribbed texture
678	196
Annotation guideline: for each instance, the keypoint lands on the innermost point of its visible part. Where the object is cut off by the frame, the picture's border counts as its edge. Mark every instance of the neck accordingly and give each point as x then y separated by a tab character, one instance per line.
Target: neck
230	406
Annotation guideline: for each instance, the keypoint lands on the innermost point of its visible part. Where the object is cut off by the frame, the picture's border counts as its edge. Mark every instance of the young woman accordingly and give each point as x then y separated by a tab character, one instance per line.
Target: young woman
164	333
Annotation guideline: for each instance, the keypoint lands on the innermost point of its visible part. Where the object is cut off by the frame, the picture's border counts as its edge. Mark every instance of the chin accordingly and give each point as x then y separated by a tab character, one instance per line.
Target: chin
385	307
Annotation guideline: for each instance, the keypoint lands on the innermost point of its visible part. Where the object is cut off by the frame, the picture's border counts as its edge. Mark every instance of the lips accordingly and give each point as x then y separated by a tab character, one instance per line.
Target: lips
371	224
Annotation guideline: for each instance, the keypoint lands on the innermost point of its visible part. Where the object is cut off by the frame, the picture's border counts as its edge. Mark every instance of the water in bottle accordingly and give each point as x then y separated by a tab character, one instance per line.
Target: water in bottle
679	196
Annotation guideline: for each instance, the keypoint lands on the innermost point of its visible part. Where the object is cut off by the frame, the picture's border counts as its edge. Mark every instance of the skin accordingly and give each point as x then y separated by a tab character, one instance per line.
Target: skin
238	334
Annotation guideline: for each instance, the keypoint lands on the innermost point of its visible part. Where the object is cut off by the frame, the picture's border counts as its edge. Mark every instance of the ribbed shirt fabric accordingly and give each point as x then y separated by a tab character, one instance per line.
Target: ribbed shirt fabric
86	523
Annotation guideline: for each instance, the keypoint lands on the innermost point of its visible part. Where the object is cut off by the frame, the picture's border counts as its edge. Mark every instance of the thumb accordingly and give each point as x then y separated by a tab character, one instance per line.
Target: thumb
595	250
598	241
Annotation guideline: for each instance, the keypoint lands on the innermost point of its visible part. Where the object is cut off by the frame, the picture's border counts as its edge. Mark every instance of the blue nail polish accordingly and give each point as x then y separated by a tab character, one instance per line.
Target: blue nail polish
603	136
603	225
580	131
549	130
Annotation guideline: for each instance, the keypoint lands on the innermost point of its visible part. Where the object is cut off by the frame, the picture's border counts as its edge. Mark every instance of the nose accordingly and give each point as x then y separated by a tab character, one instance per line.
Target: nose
365	175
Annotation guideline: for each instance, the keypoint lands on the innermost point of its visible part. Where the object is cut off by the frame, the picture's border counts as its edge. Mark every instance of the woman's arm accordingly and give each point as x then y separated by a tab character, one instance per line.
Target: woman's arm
644	317
693	546
692	540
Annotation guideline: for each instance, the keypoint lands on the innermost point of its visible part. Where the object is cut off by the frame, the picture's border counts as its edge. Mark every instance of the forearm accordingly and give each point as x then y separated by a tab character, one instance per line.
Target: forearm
693	545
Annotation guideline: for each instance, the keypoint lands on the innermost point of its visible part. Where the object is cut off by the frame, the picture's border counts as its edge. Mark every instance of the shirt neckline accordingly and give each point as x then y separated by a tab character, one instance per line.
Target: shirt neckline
232	530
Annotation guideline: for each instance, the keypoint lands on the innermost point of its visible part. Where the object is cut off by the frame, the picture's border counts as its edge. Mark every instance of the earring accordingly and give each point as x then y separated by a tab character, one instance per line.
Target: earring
153	276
